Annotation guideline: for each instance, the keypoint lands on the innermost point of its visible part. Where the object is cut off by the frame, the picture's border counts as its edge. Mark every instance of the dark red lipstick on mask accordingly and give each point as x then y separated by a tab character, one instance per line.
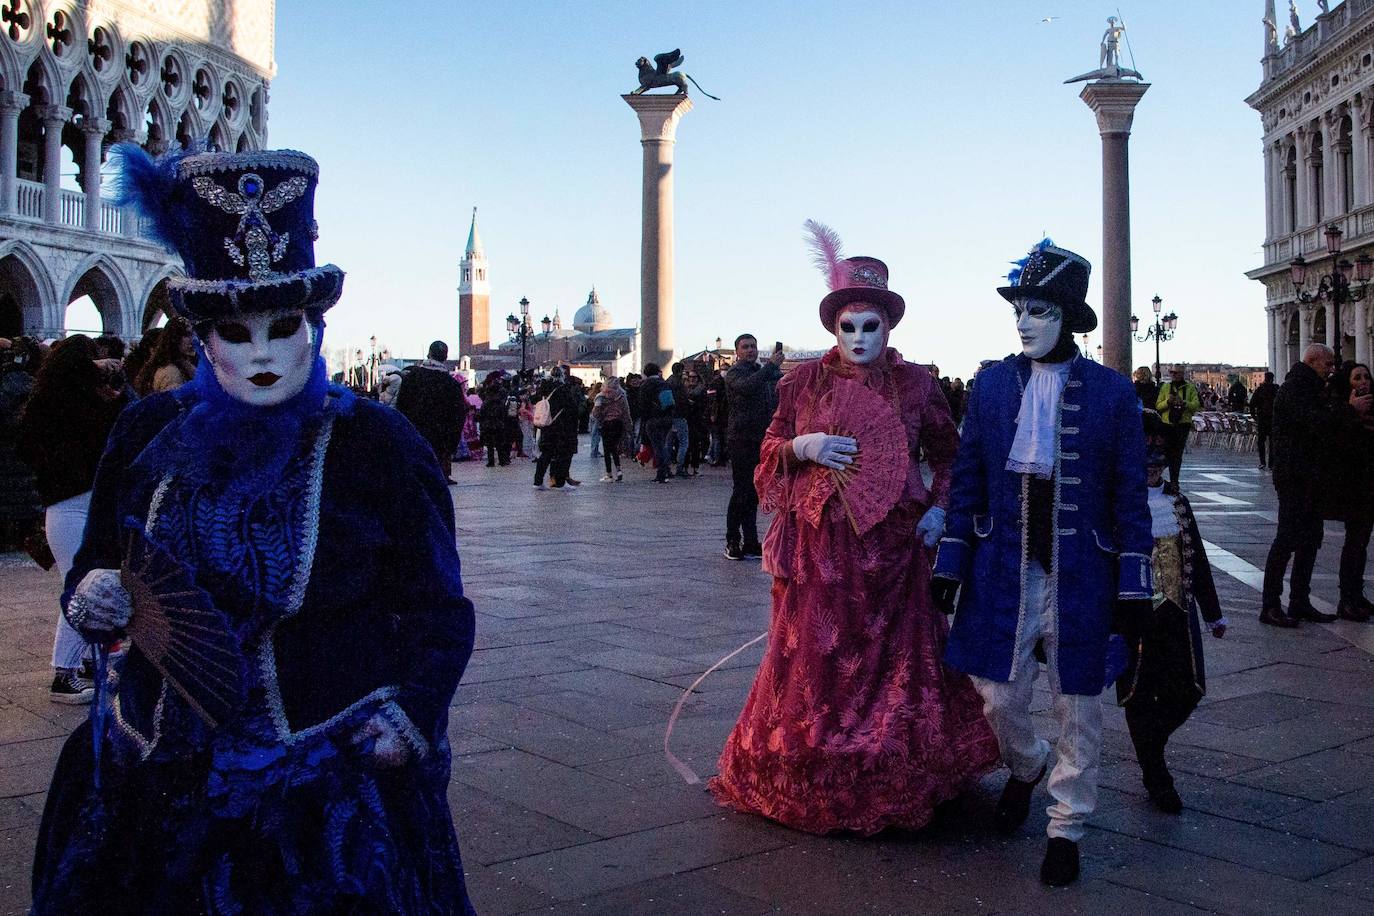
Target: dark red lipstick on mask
264	379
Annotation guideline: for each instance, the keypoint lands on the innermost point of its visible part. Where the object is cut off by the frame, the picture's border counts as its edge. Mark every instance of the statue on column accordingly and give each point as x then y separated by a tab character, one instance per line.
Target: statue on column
1109	59
660	75
1294	27
1323	7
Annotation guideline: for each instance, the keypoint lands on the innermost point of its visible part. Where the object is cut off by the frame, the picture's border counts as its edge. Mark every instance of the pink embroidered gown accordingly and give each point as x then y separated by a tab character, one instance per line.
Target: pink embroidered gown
853	722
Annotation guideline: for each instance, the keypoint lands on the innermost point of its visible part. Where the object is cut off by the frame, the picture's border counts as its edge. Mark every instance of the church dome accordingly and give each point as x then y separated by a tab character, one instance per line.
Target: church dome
592	317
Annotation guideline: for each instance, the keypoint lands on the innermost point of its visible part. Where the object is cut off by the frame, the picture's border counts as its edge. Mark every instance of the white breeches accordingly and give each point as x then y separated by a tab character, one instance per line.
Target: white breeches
1073	781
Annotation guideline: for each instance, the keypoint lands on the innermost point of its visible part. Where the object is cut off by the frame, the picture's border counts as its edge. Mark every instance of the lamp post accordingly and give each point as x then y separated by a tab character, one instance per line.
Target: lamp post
1335	286
1161	330
547	325
520	329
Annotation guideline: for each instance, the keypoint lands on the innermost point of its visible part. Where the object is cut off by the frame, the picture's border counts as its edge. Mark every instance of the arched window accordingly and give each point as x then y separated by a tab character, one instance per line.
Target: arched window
1316	176
1290	188
1345	165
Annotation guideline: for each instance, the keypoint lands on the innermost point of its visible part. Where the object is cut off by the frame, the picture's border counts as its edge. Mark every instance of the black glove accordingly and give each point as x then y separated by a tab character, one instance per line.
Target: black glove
943	592
1133	618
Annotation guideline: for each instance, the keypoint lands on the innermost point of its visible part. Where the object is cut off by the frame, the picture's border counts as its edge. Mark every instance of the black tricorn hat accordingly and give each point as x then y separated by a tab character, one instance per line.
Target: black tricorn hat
1055	275
243	224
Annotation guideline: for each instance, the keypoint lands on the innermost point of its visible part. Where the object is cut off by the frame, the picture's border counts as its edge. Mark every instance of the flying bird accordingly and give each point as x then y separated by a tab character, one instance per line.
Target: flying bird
1049	19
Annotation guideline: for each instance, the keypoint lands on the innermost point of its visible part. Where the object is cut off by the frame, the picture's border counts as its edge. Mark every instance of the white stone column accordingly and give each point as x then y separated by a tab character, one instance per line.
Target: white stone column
1114	102
53	118
11	104
1361	331
128	223
1272	330
658	119
1270	222
1302	183
1359	154
93	129
1305	323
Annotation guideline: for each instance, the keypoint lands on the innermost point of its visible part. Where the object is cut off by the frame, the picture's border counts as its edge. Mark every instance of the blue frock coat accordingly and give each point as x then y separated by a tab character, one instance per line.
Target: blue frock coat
1102	548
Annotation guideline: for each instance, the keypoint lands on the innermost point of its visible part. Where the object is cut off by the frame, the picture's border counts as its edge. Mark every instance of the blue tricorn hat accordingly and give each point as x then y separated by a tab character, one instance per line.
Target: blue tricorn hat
242	223
1055	275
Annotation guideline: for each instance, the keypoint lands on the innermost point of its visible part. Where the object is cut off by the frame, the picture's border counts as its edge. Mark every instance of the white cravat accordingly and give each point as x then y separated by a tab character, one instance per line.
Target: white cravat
1036	444
1163	521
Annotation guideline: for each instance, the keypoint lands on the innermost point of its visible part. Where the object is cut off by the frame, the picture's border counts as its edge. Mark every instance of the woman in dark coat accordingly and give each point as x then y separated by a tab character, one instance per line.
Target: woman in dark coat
20	511
281	555
1348	492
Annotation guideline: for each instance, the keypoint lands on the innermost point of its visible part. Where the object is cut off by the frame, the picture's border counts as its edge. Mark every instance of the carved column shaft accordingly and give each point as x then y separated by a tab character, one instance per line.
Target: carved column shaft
53	118
1359	155
93	129
11	104
1114	105
658	120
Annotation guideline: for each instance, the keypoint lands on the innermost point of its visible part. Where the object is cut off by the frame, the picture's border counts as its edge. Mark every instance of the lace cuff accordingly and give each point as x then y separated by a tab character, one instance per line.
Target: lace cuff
393	713
78	612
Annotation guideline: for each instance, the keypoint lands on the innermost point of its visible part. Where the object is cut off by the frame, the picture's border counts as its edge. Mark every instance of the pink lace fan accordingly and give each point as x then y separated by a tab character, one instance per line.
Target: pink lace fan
867	491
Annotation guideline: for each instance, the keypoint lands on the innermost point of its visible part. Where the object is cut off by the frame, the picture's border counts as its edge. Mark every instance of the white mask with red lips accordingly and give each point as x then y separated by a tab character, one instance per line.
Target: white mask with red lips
861	333
262	359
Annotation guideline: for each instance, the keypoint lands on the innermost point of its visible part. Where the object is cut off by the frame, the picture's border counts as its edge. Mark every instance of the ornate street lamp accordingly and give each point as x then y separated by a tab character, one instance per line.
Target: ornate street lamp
1161	329
520	329
1333	288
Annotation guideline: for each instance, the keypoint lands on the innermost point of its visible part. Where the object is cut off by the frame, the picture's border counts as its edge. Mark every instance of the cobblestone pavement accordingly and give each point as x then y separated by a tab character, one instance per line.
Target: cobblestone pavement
597	607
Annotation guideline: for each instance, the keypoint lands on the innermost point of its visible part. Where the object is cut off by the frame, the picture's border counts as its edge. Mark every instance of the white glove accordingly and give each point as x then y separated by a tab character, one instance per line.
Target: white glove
835	452
931	527
100	603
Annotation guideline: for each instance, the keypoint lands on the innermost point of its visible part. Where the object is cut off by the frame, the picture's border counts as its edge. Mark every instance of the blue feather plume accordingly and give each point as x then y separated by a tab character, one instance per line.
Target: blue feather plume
1014	275
148	187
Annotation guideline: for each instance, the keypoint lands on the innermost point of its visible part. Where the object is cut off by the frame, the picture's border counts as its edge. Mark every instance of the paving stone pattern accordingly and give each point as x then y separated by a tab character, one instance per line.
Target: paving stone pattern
596	608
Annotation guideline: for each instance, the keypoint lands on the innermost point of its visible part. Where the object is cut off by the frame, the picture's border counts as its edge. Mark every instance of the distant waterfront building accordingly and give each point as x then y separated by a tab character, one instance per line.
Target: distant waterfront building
1315	102
77	76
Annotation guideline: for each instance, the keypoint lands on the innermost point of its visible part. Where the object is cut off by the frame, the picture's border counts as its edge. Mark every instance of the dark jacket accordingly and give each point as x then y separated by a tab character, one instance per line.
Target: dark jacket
1302	423
751	388
1348	467
651	407
433	400
1262	404
1148	393
561	435
18	498
62	439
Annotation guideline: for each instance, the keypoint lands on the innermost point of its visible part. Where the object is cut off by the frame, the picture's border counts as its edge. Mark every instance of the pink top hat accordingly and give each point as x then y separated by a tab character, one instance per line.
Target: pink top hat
860	279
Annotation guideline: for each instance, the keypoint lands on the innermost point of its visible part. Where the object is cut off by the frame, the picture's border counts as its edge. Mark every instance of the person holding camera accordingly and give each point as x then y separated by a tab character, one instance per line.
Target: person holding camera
1177	401
750	386
76	399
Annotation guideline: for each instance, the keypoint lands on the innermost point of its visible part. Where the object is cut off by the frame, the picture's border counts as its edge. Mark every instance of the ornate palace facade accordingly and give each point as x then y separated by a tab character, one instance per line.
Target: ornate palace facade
77	76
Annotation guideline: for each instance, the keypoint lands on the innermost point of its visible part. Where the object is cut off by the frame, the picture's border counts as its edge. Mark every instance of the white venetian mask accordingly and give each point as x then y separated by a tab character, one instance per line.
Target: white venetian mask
263	359
1039	324
861	333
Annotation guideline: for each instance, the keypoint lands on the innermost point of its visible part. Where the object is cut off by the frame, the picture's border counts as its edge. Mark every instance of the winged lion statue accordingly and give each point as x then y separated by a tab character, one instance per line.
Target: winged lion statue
660	74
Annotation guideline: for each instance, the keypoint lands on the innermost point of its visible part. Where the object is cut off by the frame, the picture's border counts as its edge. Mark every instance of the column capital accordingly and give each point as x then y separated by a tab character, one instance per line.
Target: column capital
99	126
658	115
1114	103
52	114
10	100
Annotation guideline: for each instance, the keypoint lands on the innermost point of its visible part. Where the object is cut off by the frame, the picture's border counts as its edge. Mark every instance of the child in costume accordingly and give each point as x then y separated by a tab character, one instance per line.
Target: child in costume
1049	542
853	722
1165	677
280	554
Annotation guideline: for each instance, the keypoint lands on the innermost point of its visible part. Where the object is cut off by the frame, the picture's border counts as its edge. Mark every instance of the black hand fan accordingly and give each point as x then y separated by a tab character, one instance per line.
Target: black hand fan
176	625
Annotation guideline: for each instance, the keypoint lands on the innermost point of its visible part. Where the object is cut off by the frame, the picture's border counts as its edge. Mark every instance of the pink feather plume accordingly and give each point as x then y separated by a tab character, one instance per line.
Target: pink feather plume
826	251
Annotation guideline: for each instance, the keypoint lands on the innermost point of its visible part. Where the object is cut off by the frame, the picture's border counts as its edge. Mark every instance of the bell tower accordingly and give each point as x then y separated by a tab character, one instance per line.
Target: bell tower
474	296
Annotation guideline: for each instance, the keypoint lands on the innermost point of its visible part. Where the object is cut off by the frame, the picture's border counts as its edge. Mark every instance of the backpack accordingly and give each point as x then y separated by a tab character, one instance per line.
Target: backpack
543	415
666	402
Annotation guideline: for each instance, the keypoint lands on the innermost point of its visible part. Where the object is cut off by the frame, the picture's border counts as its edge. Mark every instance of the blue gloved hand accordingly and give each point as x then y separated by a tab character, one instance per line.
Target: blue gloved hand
931	527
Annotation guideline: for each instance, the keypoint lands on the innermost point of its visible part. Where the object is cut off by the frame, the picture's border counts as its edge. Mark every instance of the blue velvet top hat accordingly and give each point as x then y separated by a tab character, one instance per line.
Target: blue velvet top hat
1055	275
243	224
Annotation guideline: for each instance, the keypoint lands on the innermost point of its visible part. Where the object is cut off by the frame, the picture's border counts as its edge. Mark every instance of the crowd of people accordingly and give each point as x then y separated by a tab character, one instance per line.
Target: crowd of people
262	598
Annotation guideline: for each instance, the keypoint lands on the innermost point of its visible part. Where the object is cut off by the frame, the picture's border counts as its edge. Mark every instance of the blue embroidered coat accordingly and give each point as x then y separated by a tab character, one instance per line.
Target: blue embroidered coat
340	575
1101	519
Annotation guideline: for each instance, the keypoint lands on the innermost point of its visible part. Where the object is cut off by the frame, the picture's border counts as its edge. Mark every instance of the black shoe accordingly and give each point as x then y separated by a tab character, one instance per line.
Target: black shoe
1349	610
732	552
1275	617
1060	867
1366	606
491	464
1014	806
1166	799
753	551
1303	610
71	688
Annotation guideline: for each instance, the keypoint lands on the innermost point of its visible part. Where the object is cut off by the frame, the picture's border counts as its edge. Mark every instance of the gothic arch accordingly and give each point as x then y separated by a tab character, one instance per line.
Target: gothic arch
26	278
43	82
99	277
155	301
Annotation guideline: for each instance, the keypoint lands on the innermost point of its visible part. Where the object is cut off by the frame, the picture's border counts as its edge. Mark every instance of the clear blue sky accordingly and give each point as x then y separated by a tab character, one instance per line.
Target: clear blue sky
937	136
